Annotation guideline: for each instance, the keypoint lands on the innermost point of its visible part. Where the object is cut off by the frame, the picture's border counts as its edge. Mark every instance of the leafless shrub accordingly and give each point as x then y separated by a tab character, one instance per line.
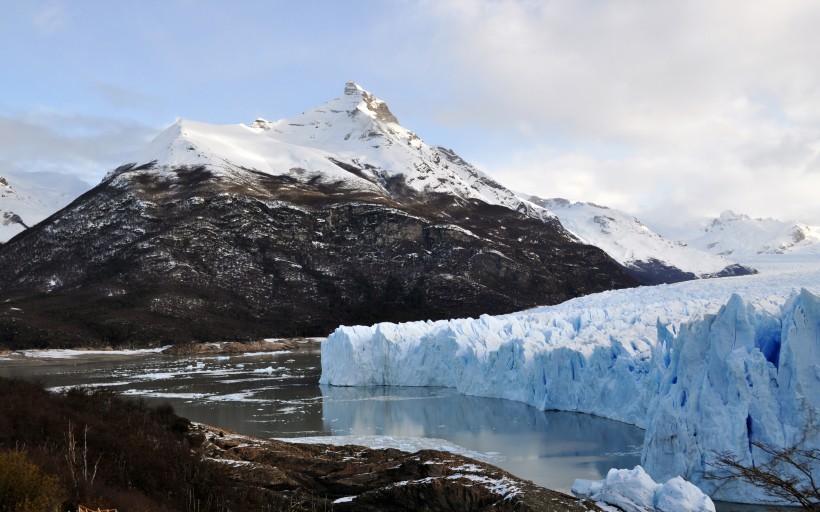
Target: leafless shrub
790	475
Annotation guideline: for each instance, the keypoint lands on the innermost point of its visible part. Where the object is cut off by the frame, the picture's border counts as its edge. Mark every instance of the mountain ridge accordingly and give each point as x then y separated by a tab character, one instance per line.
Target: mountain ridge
353	140
228	232
644	254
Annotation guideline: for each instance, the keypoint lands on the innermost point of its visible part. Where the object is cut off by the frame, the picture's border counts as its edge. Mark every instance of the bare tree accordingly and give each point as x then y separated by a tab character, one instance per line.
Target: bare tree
790	475
78	462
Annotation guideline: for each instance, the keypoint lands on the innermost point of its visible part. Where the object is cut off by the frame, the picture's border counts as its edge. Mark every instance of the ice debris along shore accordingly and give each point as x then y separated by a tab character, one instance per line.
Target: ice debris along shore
620	355
632	490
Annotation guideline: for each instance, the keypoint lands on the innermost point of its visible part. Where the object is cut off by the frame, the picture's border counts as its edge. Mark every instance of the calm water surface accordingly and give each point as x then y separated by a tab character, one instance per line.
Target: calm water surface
277	395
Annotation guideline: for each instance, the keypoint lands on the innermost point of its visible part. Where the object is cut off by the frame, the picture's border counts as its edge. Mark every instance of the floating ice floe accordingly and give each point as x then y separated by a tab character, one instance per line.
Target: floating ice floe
632	490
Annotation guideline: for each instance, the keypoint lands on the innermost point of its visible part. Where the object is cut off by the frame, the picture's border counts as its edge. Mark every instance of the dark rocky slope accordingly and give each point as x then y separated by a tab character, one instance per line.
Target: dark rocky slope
157	255
355	478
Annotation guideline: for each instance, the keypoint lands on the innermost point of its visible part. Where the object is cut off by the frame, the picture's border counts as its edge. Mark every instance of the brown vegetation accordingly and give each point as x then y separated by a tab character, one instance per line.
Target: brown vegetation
92	447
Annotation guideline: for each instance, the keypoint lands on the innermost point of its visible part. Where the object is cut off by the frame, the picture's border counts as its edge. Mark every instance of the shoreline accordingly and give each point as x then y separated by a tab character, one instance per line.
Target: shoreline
353	477
88	355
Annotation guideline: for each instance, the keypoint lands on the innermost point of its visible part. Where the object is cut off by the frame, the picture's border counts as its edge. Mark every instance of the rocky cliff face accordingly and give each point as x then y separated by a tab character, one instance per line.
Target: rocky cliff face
186	254
241	232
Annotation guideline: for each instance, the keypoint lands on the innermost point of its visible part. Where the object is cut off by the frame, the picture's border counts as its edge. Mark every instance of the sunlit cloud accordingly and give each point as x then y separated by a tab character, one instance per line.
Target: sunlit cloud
713	105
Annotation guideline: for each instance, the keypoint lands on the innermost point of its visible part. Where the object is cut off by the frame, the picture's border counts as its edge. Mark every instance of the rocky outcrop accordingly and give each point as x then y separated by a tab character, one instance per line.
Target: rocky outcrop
355	478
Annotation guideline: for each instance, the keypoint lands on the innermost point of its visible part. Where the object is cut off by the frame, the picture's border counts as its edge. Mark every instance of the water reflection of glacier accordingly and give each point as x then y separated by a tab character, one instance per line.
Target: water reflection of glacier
550	448
276	395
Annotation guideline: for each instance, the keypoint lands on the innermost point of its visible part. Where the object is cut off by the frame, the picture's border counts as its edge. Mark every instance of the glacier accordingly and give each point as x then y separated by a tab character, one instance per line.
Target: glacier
703	366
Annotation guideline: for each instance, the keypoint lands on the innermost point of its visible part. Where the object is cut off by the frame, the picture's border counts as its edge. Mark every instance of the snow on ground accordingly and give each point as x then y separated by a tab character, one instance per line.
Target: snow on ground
71	353
618	355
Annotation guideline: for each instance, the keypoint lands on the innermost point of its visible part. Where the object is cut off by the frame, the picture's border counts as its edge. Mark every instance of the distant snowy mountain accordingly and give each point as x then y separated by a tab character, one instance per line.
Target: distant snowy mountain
645	254
28	198
741	237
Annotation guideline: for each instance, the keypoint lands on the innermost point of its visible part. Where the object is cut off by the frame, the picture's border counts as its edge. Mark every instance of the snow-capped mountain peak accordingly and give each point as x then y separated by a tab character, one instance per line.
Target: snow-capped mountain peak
372	105
353	142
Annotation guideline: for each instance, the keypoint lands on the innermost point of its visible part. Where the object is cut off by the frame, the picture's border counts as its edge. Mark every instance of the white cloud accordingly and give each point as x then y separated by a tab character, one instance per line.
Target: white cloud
712	104
85	146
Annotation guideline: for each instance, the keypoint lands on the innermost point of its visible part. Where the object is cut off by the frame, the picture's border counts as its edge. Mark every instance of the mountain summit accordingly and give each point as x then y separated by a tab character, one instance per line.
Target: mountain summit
280	228
353	142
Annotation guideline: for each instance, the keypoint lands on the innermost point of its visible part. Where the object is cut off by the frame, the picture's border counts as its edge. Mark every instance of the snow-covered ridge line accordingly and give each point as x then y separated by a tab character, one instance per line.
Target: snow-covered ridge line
741	237
27	198
626	240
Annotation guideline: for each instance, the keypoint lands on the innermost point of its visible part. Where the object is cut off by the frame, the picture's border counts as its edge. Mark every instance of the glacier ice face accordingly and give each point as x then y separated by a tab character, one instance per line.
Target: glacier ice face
633	490
592	354
698	372
739	377
513	357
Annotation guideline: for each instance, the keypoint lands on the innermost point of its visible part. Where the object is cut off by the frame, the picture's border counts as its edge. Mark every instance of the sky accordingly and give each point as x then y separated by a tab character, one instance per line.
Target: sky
672	111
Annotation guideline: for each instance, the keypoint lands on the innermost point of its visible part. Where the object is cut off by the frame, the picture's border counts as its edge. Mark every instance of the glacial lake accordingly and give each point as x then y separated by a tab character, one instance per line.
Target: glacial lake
277	395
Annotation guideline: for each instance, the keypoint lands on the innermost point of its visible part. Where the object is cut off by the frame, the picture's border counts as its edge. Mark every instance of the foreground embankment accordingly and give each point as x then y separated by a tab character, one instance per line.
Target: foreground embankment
92	447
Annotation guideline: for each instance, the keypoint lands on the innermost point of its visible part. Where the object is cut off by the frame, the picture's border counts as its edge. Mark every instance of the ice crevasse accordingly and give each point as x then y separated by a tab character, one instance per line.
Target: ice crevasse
700	374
